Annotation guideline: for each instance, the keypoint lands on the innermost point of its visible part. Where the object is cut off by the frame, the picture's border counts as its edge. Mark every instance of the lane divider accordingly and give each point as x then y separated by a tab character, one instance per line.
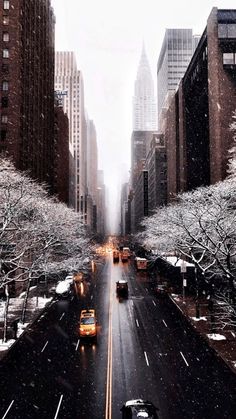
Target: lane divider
108	412
10	405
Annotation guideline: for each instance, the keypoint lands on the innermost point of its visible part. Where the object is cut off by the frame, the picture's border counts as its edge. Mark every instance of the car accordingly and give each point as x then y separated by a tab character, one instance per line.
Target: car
139	408
122	289
161	290
88	324
63	289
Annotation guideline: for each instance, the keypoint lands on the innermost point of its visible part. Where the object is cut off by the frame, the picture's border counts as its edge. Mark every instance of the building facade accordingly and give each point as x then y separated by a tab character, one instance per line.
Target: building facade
92	174
27	86
176	52
200	114
156	165
61	148
69	83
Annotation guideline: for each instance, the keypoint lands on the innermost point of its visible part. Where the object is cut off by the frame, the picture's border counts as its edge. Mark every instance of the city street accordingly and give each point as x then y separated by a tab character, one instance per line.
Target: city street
144	350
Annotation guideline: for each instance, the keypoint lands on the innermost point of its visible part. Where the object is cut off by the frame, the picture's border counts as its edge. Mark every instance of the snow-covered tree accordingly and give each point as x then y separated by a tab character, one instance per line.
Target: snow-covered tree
37	234
200	227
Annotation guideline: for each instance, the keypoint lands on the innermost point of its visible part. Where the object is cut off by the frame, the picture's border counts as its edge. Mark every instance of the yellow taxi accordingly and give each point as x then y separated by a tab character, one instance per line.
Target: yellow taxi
88	324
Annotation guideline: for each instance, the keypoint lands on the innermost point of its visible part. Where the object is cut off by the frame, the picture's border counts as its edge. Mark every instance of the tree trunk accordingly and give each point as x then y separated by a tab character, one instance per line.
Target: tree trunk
5	314
25	300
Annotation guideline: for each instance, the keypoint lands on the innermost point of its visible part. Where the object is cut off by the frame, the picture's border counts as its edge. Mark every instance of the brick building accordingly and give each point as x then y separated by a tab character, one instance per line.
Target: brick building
197	130
27	86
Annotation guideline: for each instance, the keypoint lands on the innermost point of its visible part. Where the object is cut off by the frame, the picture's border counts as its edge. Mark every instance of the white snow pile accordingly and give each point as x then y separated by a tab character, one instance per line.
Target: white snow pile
196	319
216	336
6	345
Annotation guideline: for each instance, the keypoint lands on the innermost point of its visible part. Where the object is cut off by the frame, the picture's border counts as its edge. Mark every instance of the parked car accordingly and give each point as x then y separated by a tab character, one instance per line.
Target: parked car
161	290
139	408
122	289
63	289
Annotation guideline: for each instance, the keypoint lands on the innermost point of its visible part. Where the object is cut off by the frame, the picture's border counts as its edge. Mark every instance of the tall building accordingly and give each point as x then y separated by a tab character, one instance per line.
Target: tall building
61	147
156	166
69	84
140	143
144	103
176	52
27	86
197	133
101	204
92	173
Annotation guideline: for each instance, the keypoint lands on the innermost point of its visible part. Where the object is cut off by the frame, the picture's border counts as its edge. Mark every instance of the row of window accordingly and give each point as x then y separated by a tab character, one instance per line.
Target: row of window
5	84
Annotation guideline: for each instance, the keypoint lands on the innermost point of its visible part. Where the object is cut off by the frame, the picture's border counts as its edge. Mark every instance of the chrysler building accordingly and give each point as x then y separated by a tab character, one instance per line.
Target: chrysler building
144	103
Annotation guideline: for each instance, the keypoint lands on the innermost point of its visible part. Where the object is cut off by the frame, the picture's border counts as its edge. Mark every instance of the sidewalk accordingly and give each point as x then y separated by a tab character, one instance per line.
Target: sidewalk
35	307
222	341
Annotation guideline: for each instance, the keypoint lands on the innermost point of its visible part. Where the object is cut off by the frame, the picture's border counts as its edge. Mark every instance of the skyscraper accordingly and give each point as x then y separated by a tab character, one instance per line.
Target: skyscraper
176	52
144	103
27	86
69	84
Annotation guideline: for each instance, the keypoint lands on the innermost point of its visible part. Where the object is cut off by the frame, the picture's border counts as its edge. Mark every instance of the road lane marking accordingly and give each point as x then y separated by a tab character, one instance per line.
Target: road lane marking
164	323
137	322
233	334
153	302
58	407
184	359
44	346
146	358
108	412
63	314
77	345
91	297
10	405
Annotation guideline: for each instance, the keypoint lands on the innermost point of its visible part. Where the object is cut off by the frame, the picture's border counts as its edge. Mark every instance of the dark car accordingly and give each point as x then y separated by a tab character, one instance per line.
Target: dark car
133	409
161	290
122	289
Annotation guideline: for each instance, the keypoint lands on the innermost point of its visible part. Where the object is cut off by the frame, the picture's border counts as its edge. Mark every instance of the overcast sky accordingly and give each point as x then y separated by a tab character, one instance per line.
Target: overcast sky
107	37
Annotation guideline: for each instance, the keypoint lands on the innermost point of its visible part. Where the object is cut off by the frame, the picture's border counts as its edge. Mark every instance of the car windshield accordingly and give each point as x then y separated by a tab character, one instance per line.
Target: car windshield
87	320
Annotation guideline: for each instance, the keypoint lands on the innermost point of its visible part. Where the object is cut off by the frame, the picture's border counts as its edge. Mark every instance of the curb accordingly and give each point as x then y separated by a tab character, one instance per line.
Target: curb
3	353
203	336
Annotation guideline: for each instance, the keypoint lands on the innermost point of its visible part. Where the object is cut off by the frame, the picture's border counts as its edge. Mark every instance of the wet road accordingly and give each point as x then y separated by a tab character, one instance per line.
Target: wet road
144	349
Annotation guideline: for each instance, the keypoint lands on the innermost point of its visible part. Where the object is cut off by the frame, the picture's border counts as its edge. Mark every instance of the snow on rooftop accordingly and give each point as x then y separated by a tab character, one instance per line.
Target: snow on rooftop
176	261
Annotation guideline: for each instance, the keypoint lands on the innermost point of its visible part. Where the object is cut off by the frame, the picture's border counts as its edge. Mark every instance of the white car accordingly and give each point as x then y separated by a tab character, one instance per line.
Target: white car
63	288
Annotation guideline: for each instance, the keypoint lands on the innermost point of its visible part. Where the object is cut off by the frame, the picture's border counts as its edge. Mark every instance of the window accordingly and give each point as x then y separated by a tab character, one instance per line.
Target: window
5	53
3	134
5	85
5	20
228	58
6	5
4	119
5	36
4	102
5	68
